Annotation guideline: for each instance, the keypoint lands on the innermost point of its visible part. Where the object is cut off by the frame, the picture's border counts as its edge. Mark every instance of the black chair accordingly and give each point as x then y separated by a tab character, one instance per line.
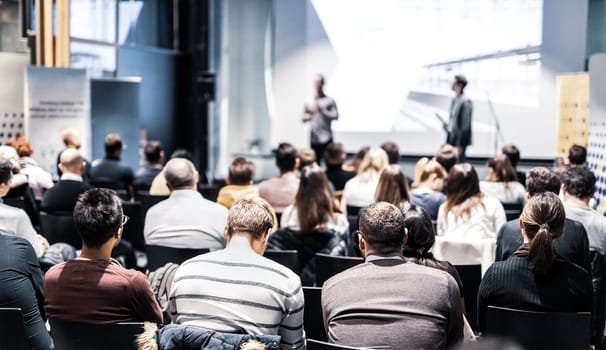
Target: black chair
313	344
158	256
58	227
12	330
148	201
133	230
471	276
540	330
313	321
513	210
329	265
70	335
210	192
288	258
353	210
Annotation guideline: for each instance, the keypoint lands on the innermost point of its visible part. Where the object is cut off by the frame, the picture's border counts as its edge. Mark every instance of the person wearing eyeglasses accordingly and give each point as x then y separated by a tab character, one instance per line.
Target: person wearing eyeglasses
94	288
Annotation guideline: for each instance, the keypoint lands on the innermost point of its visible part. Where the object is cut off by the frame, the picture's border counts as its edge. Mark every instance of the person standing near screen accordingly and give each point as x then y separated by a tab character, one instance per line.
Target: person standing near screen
459	126
320	112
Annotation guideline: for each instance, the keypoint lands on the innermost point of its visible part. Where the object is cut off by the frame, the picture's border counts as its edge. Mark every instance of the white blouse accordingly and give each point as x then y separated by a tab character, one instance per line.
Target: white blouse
483	222
290	219
506	192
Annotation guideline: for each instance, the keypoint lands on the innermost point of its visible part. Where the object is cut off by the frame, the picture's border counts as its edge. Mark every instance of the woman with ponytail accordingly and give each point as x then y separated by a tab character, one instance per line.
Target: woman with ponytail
534	277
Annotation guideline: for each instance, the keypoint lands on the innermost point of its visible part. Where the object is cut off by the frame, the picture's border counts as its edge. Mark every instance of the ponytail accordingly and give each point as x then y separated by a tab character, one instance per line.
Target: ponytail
542	251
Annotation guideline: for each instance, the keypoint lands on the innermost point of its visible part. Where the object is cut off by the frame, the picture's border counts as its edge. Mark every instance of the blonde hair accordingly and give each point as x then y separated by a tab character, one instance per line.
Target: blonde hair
430	168
373	164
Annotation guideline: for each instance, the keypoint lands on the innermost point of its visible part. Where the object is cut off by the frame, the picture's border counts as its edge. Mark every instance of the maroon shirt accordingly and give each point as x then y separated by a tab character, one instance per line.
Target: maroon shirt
98	291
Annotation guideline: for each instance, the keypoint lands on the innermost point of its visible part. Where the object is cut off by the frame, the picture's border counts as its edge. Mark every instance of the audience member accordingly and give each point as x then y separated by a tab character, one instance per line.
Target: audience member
573	245
158	186
447	156
534	277
14	220
360	190
154	156
63	196
20	191
467	213
354	163
21	280
502	182
94	288
387	303
335	156
312	225
393	152
577	155
513	153
393	187
239	183
421	238
280	191
110	172
185	219
307	157
237	289
428	193
72	140
39	180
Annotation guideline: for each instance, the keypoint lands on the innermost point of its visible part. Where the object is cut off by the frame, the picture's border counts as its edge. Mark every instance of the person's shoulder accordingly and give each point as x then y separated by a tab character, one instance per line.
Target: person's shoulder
8	211
491	202
54	272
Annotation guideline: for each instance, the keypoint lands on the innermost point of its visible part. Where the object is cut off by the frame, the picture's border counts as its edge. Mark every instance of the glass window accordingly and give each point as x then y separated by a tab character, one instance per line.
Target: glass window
93	20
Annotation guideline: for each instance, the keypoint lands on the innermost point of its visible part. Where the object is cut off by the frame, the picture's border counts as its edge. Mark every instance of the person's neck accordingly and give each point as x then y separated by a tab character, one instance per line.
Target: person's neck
288	174
371	251
102	253
320	93
577	201
334	166
112	156
244	241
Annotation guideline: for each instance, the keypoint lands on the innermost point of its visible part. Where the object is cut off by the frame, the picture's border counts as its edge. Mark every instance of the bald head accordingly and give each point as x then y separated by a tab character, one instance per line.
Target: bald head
71	161
180	174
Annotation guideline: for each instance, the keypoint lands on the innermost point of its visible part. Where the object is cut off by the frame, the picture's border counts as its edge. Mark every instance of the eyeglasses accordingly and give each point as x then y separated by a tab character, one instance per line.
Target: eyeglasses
124	220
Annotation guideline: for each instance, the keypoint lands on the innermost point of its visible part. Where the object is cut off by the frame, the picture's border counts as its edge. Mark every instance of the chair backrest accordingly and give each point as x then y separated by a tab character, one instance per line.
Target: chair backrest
513	210
471	276
313	321
313	344
329	265
17	202
148	201
12	330
540	330
60	228
158	256
69	335
210	192
133	230
353	210
288	258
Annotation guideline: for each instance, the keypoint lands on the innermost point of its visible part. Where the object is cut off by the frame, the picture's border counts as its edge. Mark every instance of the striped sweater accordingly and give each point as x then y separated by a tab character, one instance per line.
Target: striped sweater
235	290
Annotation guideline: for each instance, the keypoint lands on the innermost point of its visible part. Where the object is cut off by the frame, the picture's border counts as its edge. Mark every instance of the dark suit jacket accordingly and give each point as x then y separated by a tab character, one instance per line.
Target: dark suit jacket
63	196
460	123
572	246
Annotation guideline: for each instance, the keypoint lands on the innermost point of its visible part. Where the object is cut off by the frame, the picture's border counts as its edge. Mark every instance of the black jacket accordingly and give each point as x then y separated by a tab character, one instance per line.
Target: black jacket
179	337
572	246
307	244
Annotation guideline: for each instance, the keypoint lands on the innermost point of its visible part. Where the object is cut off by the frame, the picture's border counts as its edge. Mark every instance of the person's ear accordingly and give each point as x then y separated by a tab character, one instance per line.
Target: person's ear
226	234
297	163
227	181
527	196
362	244
405	238
196	177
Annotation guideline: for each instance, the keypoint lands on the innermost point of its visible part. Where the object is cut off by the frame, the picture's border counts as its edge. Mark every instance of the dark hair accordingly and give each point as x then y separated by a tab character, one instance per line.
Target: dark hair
392	187
501	167
393	152
334	154
461	80
113	143
153	152
447	157
241	171
306	156
286	157
251	215
314	202
577	154
463	188
513	153
541	179
579	181
357	158
421	234
6	171
97	216
382	227
543	221
182	153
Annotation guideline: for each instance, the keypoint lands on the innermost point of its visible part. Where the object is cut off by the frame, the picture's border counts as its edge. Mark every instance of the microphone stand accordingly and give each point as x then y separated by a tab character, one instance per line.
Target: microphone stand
499	133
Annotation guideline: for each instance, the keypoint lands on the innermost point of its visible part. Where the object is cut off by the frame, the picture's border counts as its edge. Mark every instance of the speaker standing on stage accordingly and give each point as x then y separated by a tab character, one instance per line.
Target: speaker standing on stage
459	127
321	112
